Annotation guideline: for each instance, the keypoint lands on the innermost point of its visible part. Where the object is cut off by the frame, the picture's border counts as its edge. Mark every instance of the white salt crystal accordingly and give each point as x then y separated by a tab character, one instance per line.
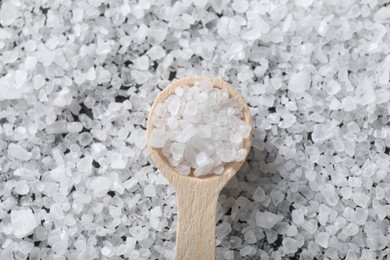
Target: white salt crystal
290	245
240	6
299	82
100	186
141	63
332	87
277	197
85	164
21	187
240	155
267	219
323	214
174	104
259	195
177	150
330	194
157	138
322	132
226	152
39	81
202	159
18	152
322	239
349	104
23	222
149	190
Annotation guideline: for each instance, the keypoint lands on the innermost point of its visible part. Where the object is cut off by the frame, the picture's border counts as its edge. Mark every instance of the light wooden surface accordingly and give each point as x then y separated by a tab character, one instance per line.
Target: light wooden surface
197	197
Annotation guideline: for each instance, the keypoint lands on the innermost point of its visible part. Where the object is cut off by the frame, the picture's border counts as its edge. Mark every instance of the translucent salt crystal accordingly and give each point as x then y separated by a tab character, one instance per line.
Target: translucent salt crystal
173	105
157	138
323	214
22	188
20	77
226	152
247	250
235	138
361	199
141	63
322	239
183	169
277	197
330	195
223	229
18	152
190	109
322	132
23	222
299	82
57	212
30	62
100	186
290	245
85	164
179	91
219	169
172	122
292	231
38	81
332	87
267	219
349	104
349	230
158	32
204	131
186	134
74	127
202	159
90	74
376	240
240	155
298	217
303	3
259	195
240	6
149	190
177	150
160	109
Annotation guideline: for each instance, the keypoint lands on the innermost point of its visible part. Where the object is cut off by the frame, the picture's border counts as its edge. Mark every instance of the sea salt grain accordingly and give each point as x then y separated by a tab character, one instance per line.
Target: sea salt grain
193	129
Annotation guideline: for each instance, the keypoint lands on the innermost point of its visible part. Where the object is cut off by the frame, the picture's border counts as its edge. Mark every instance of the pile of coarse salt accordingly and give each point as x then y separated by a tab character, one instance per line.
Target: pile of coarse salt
200	127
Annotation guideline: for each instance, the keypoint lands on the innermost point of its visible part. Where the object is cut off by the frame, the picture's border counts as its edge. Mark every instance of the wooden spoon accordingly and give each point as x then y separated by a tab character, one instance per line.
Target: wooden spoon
196	196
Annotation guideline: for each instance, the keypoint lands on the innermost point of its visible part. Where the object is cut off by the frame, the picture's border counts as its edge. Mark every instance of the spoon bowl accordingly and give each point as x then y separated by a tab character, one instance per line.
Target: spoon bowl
197	196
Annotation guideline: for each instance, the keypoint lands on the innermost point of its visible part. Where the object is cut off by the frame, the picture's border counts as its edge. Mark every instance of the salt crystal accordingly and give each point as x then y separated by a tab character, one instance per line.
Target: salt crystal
323	214
259	195
142	63
277	197
85	164
299	82
202	159
157	138
100	186
267	219
322	239
290	245
23	222
240	6
349	104
149	190
330	195
226	152
21	187
18	152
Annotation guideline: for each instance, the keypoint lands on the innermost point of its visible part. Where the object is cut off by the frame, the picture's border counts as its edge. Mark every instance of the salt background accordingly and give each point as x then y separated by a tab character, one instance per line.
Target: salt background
77	79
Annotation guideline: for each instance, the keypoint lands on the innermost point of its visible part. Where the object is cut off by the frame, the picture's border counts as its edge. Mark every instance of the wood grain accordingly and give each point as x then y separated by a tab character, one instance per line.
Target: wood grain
197	196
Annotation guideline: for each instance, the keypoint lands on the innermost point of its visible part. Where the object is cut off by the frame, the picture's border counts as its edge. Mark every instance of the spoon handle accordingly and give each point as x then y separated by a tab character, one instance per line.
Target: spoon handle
197	206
